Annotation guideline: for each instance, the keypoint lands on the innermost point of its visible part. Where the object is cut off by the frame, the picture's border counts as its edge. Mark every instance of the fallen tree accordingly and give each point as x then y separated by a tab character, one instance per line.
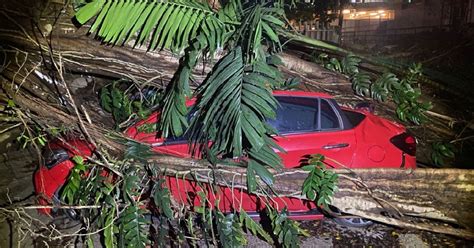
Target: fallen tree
425	199
411	199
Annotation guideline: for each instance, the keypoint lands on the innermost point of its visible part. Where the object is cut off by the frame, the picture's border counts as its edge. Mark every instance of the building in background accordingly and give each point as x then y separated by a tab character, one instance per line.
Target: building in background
382	21
385	21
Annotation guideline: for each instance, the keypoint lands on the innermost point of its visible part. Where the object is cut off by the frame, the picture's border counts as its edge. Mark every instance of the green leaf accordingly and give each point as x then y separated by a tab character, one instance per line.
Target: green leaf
162	199
118	21
251	179
79	160
320	184
262	172
89	10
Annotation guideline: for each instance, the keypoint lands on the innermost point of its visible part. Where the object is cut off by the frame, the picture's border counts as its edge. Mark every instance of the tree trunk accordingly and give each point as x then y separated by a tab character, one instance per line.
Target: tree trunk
31	41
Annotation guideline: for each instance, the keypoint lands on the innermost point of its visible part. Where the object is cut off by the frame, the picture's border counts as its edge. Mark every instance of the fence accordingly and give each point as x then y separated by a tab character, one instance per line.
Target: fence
387	35
316	30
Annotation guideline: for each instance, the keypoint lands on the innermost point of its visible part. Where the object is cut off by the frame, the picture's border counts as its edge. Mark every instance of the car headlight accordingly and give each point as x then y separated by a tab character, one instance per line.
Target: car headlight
53	157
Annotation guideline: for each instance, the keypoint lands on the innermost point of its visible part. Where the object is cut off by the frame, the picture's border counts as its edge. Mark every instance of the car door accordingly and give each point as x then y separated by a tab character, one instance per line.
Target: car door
310	126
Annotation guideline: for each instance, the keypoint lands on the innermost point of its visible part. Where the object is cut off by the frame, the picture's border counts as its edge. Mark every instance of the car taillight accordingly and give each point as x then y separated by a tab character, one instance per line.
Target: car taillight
52	157
405	142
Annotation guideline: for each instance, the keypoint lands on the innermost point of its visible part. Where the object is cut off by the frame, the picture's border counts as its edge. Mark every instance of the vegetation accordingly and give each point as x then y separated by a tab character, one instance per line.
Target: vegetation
236	92
405	92
126	200
124	105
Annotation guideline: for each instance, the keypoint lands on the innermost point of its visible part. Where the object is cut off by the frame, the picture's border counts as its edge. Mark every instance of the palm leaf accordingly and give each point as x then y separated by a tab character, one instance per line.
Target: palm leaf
235	95
170	24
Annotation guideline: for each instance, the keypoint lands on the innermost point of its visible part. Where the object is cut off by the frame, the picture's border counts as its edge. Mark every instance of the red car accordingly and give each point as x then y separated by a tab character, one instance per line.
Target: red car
307	122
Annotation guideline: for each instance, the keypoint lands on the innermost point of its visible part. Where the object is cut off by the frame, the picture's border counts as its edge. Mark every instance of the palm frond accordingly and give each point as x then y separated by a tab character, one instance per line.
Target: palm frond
213	34
170	24
235	95
260	25
173	120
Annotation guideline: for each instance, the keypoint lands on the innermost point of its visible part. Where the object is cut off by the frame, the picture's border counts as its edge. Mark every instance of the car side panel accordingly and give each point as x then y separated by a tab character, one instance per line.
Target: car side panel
186	192
299	146
374	149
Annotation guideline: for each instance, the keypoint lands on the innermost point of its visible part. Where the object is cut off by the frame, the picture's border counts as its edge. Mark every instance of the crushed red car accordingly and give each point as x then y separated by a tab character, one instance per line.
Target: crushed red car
307	122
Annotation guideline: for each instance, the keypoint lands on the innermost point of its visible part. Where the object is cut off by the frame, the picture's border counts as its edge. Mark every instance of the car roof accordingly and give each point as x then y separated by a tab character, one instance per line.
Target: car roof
300	93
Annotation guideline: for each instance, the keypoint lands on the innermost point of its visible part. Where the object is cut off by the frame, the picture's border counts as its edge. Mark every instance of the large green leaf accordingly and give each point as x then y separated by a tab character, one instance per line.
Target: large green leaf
89	10
230	96
163	24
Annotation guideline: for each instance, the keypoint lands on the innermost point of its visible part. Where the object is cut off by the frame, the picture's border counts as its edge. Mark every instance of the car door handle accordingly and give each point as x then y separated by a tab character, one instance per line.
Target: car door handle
335	146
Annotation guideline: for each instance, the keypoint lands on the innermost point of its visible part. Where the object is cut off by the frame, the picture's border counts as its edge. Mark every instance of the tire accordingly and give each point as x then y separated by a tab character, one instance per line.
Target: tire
340	218
72	214
353	222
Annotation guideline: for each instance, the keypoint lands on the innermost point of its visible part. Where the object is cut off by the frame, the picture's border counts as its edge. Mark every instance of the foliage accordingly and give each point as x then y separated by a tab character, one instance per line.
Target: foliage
252	226
236	92
407	95
124	104
361	84
289	84
73	184
161	198
321	184
404	92
137	151
132	222
442	151
122	210
230	231
381	88
257	26
160	24
349	65
285	230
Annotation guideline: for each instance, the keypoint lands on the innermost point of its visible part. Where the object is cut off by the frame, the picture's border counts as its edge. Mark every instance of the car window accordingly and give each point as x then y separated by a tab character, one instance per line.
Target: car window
329	118
295	114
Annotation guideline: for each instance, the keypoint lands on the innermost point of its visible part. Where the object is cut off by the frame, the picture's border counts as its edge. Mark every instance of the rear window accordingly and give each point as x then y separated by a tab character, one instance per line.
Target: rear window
329	118
354	118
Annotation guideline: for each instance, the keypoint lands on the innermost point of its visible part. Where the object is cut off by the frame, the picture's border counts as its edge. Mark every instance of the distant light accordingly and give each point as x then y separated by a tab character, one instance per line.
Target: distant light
383	14
313	28
373	13
362	13
346	11
381	11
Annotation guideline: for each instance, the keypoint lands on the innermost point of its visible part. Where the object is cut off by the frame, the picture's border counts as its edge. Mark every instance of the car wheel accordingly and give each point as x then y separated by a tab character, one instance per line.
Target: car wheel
353	222
72	214
342	219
